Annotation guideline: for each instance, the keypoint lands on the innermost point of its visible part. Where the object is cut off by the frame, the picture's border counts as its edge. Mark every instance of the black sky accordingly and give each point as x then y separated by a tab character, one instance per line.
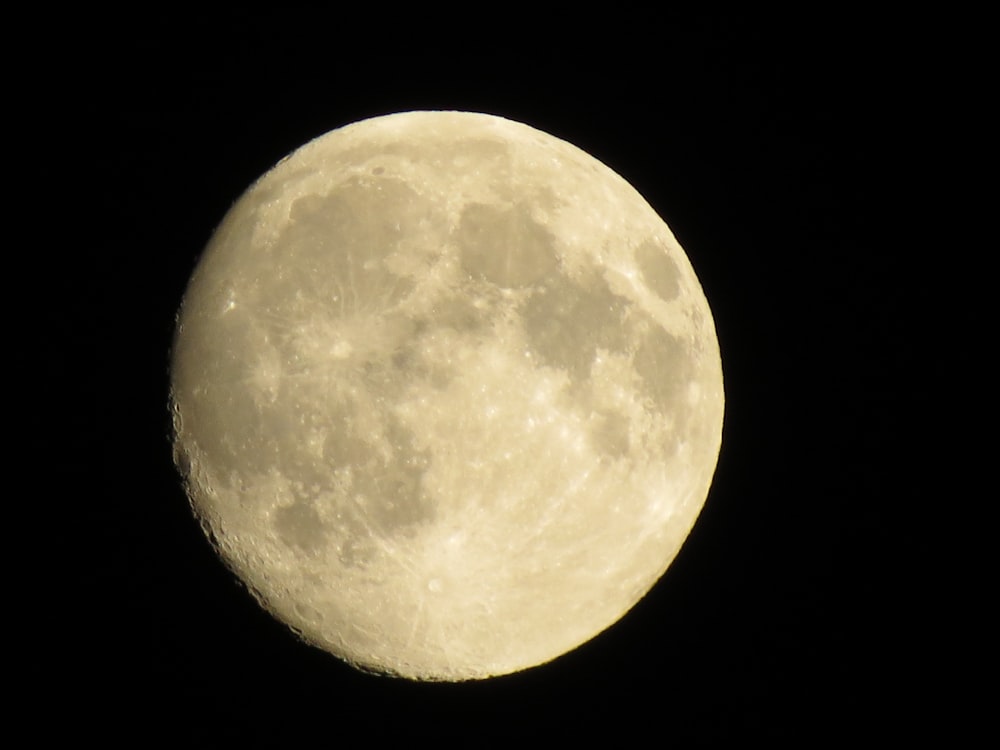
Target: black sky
770	148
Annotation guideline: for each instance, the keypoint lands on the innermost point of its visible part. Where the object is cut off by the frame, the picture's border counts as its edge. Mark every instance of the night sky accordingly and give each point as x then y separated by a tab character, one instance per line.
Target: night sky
771	150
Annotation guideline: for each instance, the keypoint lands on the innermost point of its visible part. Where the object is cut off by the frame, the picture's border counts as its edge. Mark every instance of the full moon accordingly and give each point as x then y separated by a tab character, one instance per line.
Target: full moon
447	395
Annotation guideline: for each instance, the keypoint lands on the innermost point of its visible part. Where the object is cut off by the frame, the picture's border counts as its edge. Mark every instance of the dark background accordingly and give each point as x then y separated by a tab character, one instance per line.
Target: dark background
770	145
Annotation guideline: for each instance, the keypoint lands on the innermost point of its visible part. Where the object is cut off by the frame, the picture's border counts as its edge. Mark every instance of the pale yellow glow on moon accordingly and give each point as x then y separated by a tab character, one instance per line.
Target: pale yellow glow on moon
447	394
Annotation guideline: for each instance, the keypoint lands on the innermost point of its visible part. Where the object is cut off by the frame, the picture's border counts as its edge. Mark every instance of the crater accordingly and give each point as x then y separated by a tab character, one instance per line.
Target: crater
299	525
332	250
439	153
566	322
344	445
393	488
505	246
658	270
308	613
361	219
665	367
609	433
458	312
384	492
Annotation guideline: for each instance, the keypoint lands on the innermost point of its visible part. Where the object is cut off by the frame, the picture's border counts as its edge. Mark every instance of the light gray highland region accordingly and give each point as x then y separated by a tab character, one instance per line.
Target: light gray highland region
447	394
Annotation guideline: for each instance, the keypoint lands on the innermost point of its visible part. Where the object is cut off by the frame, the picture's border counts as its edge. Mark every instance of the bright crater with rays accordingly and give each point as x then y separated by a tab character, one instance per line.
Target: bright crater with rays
447	394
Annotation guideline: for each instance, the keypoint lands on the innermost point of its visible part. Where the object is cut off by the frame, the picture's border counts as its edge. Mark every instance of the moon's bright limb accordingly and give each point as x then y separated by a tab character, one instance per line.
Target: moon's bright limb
447	394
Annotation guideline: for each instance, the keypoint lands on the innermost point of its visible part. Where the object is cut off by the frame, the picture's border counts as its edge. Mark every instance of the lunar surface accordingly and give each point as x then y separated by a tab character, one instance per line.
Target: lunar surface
447	394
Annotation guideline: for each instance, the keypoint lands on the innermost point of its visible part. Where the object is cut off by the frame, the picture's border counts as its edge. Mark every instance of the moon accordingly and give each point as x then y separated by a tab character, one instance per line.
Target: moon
447	395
